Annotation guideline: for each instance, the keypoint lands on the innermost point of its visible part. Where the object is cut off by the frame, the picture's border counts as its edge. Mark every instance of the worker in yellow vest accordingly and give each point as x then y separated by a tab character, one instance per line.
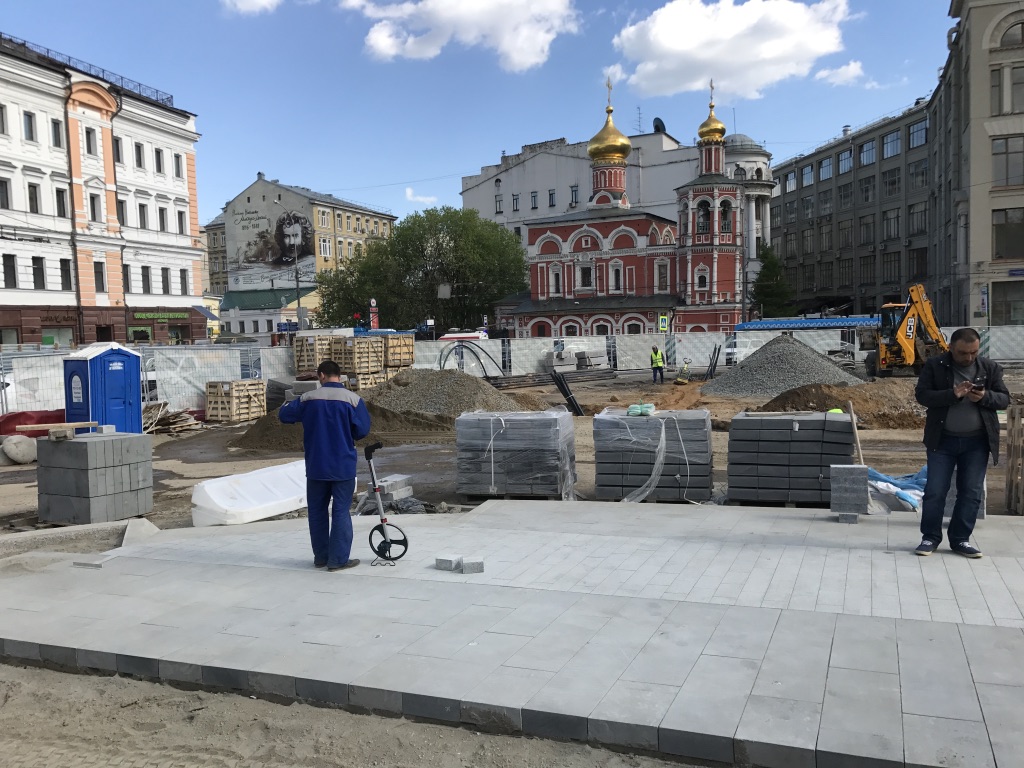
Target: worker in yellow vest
657	364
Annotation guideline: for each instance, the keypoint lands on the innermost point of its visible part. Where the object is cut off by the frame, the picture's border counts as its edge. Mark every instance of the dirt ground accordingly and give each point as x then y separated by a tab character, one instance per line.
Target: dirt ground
50	718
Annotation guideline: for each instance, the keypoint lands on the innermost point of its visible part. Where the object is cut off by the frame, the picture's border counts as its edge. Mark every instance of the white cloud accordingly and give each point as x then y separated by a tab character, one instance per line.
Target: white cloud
250	6
848	74
745	46
412	197
520	32
615	73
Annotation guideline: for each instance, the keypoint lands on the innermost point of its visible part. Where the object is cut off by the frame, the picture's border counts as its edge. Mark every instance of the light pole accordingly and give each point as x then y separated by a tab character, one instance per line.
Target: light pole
295	256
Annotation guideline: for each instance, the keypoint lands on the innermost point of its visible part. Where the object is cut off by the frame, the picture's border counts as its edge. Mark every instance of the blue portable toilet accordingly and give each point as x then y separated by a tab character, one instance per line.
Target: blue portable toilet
103	383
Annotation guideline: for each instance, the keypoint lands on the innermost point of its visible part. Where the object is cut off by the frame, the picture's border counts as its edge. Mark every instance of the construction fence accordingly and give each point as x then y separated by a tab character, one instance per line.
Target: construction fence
33	380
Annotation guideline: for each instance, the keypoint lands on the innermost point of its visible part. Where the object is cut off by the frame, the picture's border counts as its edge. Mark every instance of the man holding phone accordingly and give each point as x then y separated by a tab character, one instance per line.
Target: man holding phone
962	392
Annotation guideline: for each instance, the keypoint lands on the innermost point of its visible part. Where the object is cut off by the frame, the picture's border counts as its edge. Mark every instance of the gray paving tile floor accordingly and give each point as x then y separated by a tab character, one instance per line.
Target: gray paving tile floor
773	637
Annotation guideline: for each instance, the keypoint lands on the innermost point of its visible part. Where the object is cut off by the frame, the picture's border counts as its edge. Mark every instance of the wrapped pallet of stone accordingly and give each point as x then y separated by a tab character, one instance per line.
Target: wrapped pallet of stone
664	456
787	457
519	454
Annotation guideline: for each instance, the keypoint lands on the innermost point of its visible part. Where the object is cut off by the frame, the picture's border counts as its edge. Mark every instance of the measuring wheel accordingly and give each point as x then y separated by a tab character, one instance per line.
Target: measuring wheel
388	541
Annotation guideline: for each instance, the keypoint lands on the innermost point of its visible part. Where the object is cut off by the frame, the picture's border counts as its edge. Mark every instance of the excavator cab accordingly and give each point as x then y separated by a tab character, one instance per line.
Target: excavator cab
907	336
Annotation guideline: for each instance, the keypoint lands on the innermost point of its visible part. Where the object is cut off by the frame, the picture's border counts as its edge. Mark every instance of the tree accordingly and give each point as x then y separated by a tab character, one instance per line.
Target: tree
481	261
771	293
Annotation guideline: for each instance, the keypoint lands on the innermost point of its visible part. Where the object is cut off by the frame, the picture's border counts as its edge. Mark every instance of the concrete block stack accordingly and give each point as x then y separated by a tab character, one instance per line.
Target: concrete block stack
850	492
392	488
787	457
518	454
95	478
589	361
628	448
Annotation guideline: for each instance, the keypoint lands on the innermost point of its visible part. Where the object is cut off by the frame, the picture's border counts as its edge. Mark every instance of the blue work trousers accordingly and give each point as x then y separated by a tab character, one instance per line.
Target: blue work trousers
969	457
330	533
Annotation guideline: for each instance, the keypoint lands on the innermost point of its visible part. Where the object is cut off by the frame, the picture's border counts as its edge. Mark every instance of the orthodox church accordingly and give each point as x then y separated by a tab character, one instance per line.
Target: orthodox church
615	269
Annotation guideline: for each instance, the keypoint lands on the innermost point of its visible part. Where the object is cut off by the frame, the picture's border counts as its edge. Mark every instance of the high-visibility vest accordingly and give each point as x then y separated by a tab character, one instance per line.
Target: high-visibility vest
657	359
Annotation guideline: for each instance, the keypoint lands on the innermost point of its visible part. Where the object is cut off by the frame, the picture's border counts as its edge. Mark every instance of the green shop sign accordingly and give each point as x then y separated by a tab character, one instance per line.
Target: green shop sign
162	315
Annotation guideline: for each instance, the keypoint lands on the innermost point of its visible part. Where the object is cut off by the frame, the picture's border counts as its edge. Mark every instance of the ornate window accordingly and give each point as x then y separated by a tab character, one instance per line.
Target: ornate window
703	217
726	216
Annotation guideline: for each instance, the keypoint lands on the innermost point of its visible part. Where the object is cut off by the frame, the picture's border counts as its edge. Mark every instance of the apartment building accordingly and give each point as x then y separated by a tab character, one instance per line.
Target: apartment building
99	233
276	237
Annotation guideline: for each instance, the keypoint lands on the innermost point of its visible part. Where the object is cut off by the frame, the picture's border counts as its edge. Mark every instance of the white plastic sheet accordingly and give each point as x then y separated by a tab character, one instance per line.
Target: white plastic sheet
251	496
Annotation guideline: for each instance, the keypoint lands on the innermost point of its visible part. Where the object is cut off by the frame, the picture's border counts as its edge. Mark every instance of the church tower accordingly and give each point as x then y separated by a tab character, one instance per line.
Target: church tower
608	151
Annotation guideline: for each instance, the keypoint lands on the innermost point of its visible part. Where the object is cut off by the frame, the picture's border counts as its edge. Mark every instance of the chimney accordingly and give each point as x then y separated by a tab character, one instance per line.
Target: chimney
260	176
846	130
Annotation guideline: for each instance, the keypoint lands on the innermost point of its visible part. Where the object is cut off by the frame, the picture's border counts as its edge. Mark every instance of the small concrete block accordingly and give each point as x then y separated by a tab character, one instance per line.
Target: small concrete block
21	649
180	672
849	517
140	666
61	434
59	655
431	707
321	691
103	660
472	565
375	699
106	429
448	562
138	530
266	682
223	677
392	483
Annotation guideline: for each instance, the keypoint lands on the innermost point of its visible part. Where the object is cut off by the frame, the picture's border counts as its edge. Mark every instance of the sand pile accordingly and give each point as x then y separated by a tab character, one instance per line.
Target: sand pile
780	365
444	393
880	404
269	434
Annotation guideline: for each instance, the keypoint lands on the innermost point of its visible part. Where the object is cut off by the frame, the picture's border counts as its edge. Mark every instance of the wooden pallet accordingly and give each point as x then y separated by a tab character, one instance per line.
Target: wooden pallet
361	381
360	354
1015	460
399	350
310	351
231	401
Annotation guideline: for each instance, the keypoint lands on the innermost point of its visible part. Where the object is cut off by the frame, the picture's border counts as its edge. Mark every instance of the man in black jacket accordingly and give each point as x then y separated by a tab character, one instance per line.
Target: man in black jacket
962	393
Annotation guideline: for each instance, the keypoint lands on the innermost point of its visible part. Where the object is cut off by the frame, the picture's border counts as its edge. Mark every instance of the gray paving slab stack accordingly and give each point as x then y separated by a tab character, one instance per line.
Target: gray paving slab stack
519	454
667	453
787	457
848	484
95	478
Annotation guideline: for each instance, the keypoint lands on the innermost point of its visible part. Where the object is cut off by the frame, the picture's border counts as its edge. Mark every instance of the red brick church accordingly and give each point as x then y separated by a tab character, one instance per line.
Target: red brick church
614	269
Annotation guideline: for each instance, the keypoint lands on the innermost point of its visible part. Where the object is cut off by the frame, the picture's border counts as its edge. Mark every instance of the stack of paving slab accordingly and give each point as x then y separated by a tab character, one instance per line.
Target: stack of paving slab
518	454
627	451
589	361
787	457
298	388
95	478
848	484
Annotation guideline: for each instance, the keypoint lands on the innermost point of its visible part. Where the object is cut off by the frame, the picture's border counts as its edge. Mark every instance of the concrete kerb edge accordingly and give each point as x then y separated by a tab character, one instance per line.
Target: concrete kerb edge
18	543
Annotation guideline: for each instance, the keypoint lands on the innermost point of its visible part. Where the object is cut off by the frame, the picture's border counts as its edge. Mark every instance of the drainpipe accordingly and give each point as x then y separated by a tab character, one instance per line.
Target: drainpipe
120	226
74	222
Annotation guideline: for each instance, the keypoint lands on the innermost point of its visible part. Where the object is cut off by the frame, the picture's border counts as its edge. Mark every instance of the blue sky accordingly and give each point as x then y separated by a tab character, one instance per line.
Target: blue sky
390	103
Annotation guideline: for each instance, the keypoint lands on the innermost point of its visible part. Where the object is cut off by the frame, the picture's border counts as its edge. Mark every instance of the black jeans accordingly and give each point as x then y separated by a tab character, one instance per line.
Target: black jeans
655	372
969	456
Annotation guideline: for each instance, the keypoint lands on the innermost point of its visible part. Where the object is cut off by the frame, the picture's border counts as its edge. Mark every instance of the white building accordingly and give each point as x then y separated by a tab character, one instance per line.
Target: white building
99	232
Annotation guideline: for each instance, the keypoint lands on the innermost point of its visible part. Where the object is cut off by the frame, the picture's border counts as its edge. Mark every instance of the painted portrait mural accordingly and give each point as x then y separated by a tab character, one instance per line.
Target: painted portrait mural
265	246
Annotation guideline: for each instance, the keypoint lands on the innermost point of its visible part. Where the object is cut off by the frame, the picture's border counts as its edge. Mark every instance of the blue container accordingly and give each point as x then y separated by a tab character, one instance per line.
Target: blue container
103	383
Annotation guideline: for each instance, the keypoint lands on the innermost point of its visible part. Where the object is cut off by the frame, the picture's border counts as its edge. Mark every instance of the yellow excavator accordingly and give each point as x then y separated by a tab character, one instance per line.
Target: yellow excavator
906	337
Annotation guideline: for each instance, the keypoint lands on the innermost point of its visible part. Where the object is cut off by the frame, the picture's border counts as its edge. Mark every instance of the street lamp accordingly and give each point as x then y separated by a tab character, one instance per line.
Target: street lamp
295	256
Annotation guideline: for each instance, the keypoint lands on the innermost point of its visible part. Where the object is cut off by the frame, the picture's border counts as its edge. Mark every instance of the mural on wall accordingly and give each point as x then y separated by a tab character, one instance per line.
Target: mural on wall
263	251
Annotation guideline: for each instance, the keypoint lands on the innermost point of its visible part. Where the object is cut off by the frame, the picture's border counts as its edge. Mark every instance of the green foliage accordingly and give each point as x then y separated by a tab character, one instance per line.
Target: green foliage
483	262
772	294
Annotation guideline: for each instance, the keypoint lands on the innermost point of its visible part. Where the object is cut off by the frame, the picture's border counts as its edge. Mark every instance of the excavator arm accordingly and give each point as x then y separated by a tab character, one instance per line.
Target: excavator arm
927	317
918	327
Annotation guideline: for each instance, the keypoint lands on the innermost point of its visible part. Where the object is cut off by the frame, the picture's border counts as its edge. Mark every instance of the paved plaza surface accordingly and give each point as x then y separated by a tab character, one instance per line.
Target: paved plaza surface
772	637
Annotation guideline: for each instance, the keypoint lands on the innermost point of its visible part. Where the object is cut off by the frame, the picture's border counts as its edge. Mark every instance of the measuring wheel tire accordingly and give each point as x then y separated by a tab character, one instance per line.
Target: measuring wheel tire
382	548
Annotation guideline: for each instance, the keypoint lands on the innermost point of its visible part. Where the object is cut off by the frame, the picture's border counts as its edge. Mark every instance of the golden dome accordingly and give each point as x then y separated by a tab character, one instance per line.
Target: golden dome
609	144
711	129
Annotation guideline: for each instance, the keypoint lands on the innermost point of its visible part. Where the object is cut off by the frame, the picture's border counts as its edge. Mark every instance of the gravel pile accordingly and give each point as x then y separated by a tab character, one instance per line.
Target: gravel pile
445	393
780	365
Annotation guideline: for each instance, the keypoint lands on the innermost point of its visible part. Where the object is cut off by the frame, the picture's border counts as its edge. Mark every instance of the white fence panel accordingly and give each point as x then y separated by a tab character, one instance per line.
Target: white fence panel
480	357
277	362
696	346
426	353
34	383
1006	343
528	355
633	352
182	373
823	341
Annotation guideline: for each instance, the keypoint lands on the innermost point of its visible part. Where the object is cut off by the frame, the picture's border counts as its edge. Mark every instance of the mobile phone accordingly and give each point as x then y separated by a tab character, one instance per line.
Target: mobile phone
977	387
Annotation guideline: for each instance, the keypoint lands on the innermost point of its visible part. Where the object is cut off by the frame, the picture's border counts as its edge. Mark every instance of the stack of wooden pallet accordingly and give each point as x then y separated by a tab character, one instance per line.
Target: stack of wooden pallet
310	351
236	400
399	352
361	359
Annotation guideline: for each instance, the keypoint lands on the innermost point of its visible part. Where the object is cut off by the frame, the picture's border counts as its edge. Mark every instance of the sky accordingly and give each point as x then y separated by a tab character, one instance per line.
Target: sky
391	103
